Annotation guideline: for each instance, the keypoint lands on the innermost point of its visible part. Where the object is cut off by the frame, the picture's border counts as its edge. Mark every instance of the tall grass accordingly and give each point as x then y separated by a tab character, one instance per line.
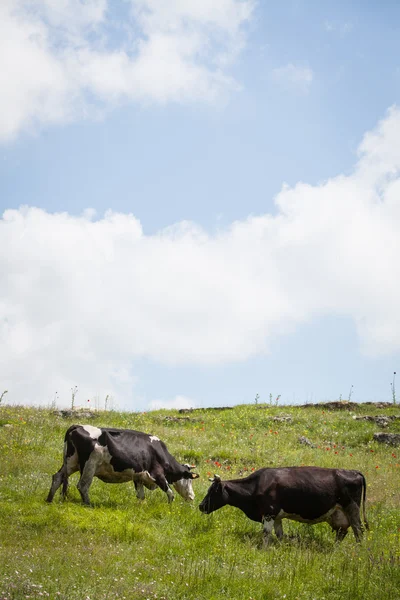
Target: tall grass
123	548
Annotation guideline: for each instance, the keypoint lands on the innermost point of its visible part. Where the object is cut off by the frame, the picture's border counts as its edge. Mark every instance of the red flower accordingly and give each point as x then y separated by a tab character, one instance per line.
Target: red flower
377	467
350	455
393	454
252	468
371	450
335	452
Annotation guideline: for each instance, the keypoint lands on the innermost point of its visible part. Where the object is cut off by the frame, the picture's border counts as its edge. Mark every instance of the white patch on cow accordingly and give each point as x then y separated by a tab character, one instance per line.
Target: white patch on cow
72	463
94	432
105	471
185	489
154	438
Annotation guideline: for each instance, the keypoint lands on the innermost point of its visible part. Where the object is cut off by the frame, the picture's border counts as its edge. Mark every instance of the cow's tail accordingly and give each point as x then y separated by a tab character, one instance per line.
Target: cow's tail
68	451
64	470
364	494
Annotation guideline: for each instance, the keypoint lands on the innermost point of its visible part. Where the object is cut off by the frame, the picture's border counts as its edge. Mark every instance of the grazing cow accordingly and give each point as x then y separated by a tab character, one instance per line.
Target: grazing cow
306	494
117	456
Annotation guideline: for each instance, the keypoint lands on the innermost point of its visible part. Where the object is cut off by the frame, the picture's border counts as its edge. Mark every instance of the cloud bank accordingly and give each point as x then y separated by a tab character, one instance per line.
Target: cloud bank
70	59
81	299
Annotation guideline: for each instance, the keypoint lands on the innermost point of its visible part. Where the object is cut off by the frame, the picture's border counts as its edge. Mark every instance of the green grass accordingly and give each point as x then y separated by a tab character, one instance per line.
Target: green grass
124	548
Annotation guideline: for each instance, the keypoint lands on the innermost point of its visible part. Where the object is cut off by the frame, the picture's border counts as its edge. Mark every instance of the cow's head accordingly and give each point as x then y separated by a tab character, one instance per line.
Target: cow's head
215	497
184	486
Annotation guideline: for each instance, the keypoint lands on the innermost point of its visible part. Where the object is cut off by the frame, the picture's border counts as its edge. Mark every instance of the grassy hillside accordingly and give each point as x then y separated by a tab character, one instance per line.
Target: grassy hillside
124	548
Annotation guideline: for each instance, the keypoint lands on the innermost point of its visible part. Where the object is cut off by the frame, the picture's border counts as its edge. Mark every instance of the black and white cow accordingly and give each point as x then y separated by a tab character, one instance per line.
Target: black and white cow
118	456
306	494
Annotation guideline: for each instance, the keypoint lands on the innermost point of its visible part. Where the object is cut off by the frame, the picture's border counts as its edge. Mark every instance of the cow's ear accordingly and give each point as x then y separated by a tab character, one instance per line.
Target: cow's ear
216	477
195	475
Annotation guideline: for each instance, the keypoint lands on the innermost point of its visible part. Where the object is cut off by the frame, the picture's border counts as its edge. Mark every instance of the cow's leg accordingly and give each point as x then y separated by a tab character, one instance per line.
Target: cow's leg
278	528
268	525
353	514
87	475
341	534
163	484
56	481
139	490
72	466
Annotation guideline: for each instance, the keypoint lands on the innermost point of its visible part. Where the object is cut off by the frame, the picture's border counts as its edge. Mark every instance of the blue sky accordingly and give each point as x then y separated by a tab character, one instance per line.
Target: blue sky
242	162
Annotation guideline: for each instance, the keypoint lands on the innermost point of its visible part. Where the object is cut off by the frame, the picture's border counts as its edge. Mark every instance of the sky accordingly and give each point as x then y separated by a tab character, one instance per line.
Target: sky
199	202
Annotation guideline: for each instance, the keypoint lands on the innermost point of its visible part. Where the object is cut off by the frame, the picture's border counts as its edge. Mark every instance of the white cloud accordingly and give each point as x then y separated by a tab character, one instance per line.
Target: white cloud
81	299
176	403
62	60
297	78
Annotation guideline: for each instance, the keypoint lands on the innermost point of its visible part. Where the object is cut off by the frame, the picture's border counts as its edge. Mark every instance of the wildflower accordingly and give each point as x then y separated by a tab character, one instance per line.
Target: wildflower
275	432
335	452
393	454
377	467
327	448
350	455
252	468
371	450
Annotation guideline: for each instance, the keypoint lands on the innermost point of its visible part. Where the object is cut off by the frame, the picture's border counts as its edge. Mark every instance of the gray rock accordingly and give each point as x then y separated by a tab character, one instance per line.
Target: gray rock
381	420
79	414
283	419
306	442
392	439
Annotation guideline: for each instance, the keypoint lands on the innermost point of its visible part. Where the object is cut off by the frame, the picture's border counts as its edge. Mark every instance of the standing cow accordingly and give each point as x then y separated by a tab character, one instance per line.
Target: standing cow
306	494
118	456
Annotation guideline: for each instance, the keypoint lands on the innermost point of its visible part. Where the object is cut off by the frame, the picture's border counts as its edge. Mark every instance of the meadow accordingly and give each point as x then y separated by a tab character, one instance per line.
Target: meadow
121	548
